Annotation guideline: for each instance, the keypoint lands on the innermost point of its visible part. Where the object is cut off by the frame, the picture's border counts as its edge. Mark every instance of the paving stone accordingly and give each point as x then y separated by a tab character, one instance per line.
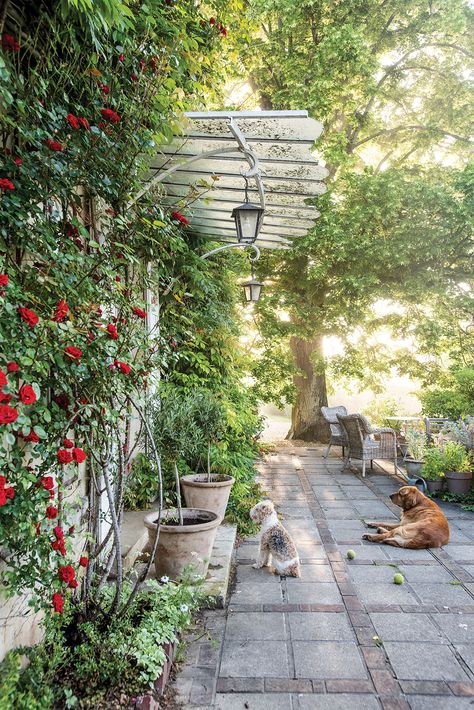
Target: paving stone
374	510
248	574
365	552
257	593
251	658
320	626
372	573
466	651
444	594
461	552
406	627
240	685
402	553
247	552
459	628
384	593
312	573
256	625
323	660
428	702
314	593
342	701
426	573
423	661
261	701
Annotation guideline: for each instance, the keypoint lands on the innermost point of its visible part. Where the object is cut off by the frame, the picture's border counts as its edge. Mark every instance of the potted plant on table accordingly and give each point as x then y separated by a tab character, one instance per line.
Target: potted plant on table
458	468
434	468
210	490
186	535
416	440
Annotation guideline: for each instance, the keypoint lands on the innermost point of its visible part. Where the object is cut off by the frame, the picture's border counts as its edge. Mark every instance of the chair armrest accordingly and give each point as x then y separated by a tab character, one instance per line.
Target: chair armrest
384	430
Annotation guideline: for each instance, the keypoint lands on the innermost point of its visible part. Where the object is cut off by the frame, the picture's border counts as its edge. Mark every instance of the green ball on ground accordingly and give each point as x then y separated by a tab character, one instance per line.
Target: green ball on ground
398	578
351	554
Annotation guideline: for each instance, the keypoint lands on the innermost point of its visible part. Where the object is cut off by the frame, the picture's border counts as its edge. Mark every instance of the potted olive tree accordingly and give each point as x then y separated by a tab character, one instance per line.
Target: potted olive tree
209	490
186	535
434	469
416	441
458	468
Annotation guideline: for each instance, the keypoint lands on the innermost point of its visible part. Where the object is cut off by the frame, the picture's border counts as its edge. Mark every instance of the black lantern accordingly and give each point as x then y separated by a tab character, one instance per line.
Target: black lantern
252	289
248	220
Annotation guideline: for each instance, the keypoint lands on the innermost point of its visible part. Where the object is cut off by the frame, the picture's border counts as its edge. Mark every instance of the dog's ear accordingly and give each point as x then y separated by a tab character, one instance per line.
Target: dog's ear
266	508
410	496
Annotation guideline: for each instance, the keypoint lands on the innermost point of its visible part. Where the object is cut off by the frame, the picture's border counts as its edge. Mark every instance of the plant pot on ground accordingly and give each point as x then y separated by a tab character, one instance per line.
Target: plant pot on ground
210	491
416	440
434	468
458	468
183	545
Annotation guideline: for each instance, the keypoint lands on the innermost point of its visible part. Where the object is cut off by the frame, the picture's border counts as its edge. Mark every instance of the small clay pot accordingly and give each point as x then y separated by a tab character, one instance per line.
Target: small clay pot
209	495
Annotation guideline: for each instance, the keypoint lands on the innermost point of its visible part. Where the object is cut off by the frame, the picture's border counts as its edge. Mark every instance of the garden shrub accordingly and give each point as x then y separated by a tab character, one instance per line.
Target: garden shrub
453	397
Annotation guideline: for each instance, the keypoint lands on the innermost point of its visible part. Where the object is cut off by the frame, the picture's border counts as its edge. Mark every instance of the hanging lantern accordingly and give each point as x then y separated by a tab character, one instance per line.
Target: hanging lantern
252	289
248	220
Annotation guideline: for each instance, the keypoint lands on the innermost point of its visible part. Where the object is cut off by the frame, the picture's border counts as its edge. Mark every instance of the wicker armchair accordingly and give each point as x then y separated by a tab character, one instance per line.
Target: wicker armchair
338	438
362	444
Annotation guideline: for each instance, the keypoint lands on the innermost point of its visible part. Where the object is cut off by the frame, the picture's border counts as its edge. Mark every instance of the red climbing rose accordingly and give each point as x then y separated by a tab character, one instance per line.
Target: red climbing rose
139	312
66	573
68	444
29	316
78	455
27	394
6	184
72	120
179	218
55	146
83	561
110	115
64	457
73	352
12	367
61	311
51	512
7	414
58	602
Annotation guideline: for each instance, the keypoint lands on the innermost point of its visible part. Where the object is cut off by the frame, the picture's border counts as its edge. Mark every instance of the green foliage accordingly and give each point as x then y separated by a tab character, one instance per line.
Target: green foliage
378	409
466	501
100	660
142	486
434	464
456	457
416	440
453	397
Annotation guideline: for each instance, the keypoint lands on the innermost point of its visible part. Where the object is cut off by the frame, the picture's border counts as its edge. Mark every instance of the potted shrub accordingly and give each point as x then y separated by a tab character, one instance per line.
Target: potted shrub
434	468
458	468
186	535
416	441
210	490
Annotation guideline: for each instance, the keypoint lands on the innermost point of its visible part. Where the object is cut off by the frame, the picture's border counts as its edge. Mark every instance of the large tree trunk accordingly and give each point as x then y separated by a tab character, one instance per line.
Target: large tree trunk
307	422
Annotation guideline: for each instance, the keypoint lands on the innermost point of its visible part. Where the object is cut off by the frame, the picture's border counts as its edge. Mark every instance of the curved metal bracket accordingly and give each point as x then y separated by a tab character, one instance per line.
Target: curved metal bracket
237	245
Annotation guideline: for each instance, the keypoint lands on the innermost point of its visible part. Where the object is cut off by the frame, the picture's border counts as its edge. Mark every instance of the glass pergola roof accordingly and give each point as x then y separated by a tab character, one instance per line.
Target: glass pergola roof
202	172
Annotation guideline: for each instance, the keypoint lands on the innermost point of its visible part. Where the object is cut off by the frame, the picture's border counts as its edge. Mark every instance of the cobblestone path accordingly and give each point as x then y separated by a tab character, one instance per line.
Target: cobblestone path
344	636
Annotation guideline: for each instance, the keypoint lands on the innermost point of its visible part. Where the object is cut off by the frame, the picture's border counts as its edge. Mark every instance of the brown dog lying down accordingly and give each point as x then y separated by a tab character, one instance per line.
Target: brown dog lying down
422	523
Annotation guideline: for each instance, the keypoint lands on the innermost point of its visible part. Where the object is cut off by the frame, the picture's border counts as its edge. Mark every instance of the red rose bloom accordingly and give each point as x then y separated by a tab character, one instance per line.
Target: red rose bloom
62	400
110	115
18	161
58	602
7	414
58	532
84	123
6	184
123	367
7	398
54	145
30	317
3	379
59	546
73	122
104	88
32	437
12	367
47	483
121	57
71	529
139	312
64	457
71	230
27	394
212	21
61	311
112	331
73	584
51	512
78	455
73	352
179	218
66	573
9	43
68	444
83	561
3	279
10	492
3	497
133	77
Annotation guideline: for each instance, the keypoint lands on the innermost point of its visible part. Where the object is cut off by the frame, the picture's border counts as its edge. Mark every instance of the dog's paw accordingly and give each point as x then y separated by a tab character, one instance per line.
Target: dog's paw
367	537
256	566
371	523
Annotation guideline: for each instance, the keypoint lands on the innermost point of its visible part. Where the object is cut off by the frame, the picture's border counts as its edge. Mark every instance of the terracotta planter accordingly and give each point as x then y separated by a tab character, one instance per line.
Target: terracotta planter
413	467
434	486
212	495
183	545
459	482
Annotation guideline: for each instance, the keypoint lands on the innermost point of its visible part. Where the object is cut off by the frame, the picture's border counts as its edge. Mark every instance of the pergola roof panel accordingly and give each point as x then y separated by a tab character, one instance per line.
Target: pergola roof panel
203	172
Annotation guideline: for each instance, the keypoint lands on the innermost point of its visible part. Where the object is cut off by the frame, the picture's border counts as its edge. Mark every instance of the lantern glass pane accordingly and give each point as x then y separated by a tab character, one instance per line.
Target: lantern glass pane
256	290
248	225
248	292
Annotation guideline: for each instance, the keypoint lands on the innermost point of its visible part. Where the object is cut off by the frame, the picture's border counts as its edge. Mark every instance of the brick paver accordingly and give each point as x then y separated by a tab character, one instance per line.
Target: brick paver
342	636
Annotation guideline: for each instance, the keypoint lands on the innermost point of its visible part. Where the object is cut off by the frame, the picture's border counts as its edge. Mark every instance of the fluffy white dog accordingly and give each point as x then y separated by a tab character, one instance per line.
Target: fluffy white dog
277	549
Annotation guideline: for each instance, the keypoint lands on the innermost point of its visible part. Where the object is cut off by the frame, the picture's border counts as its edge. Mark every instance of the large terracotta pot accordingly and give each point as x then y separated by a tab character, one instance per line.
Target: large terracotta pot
413	467
434	486
459	482
208	495
183	545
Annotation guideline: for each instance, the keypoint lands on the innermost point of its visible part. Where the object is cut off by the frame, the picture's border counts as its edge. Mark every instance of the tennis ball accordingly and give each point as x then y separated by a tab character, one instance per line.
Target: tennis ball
351	554
398	578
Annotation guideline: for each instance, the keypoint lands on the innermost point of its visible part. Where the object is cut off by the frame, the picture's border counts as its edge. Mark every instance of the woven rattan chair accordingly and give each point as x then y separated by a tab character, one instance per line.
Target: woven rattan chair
362	443
338	438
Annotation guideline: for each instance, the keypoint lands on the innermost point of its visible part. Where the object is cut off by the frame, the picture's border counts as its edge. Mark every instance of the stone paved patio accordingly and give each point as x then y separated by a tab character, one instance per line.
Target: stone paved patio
304	644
